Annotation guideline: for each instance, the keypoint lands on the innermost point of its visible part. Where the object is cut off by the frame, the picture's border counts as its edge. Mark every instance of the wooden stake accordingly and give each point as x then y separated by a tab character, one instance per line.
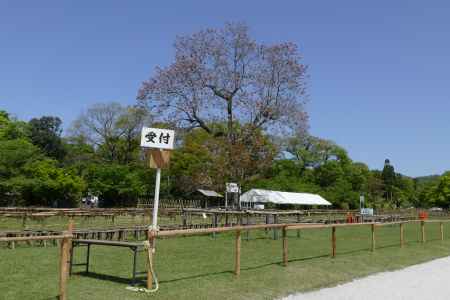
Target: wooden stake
70	229
442	230
333	241
373	237
285	247
63	269
64	263
402	240
237	261
422	225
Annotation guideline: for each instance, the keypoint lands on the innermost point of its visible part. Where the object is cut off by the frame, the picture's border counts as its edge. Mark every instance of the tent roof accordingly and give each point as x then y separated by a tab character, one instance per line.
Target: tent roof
208	193
266	196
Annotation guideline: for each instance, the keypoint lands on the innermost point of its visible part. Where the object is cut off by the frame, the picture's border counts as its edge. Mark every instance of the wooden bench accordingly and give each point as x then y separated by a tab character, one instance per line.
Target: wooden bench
133	246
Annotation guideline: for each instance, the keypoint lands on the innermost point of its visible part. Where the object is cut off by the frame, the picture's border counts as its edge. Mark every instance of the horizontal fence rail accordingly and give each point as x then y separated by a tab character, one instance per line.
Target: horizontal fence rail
35	238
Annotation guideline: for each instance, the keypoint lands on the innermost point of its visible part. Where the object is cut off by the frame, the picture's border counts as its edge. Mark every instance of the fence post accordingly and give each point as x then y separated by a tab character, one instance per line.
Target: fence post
214	223
373	237
442	231
237	260
247	222
64	262
184	219
285	247
402	241
275	230
422	225
298	221
333	241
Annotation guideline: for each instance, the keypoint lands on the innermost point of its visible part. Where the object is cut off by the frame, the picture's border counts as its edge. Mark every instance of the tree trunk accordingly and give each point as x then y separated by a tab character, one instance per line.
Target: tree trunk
231	140
230	121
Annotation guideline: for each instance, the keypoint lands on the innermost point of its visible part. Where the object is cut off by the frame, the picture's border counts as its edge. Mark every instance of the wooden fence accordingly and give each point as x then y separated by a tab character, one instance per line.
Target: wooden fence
153	235
170	203
66	237
64	260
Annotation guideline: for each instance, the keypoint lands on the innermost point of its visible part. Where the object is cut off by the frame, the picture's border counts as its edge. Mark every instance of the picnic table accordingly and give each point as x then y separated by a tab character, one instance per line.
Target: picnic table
136	247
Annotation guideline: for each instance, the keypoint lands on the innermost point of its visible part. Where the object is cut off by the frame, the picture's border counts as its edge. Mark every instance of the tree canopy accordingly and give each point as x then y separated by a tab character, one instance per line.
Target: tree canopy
102	157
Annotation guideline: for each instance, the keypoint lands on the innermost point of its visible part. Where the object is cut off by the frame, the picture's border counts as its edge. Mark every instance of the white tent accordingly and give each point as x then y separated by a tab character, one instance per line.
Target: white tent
265	196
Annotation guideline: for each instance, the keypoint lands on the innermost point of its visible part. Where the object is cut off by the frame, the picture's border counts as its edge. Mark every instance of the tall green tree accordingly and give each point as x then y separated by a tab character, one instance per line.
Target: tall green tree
119	185
11	128
28	177
439	194
388	175
45	132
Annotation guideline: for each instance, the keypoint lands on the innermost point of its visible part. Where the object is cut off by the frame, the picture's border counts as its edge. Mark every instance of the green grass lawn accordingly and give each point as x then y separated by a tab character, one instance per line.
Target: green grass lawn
200	267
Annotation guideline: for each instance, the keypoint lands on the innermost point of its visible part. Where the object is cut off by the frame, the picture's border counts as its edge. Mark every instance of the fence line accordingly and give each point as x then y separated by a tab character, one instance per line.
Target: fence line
66	237
285	227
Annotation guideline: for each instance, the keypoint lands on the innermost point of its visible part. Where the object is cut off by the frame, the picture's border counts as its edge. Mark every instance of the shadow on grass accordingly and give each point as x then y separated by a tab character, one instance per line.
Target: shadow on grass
295	260
196	276
106	277
140	279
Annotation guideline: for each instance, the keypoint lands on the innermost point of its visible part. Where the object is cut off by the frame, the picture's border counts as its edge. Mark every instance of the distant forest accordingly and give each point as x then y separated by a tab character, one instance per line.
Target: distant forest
100	155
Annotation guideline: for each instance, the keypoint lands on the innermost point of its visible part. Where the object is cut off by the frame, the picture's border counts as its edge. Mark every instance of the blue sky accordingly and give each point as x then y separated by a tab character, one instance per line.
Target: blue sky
379	79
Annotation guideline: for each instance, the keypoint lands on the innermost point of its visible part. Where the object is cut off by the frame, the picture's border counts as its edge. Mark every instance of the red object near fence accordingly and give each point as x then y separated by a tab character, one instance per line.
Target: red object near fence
350	218
423	215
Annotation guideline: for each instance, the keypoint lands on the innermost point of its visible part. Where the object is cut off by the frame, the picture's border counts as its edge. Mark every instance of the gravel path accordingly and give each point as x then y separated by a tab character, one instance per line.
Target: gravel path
430	280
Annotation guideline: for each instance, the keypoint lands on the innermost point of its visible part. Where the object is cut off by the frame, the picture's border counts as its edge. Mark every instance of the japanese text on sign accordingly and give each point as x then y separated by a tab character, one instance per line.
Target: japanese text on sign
232	187
157	138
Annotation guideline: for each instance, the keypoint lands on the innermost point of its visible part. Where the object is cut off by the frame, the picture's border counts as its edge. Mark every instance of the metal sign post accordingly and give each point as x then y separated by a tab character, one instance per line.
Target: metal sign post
156	199
233	189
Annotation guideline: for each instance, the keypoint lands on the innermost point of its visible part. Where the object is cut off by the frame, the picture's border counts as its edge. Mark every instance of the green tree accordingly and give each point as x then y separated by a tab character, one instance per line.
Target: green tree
312	152
29	178
10	128
388	175
440	194
45	132
49	185
118	185
202	160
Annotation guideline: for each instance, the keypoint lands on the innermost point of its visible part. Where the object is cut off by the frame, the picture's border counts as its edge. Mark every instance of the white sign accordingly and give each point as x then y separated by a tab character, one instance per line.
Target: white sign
157	138
232	187
367	211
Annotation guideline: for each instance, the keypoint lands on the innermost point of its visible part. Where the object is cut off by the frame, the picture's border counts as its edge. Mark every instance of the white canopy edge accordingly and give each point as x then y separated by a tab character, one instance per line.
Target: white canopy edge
266	196
209	193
